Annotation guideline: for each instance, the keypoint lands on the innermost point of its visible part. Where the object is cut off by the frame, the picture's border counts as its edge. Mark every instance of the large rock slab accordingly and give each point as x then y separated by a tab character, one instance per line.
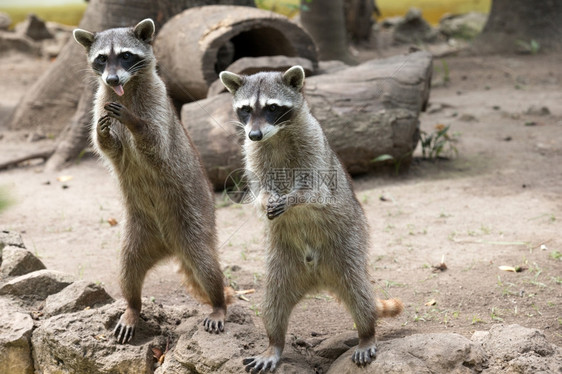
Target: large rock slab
82	342
76	297
419	354
19	261
517	349
15	345
36	286
198	352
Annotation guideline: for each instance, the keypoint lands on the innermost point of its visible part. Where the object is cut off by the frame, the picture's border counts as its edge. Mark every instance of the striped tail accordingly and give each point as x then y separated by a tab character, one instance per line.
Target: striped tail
389	308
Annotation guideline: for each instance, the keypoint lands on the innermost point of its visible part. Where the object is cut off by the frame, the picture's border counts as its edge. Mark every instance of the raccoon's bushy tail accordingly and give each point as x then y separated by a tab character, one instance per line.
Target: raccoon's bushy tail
389	308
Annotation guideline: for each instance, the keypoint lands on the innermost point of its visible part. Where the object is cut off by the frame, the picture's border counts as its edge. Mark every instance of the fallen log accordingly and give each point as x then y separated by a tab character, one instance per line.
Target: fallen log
194	46
366	111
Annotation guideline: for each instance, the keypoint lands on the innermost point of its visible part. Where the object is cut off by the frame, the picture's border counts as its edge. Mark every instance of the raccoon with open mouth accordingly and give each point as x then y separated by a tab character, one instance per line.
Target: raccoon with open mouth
169	205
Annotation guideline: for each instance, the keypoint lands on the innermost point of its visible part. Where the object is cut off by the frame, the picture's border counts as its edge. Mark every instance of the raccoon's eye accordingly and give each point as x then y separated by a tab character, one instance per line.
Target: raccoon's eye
101	59
246	109
272	107
125	55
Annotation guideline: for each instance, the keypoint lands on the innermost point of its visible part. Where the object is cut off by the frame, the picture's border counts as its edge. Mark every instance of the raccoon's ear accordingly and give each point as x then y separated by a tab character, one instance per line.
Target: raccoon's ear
83	37
144	30
294	77
231	81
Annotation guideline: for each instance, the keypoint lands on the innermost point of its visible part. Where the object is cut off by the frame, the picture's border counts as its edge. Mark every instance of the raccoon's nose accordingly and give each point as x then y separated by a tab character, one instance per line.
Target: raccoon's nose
255	135
112	80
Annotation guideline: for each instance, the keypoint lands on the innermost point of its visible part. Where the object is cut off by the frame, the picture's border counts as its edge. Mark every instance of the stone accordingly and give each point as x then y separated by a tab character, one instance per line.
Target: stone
5	21
83	342
252	65
12	42
418	354
535	110
18	261
414	29
335	346
462	26
10	238
34	28
196	352
15	345
76	297
517	349
36	286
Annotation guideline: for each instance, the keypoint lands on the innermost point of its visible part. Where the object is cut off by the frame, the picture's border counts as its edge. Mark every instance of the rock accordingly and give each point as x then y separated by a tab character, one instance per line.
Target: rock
82	342
252	65
196	352
413	29
18	261
77	296
418	354
10	238
36	286
535	110
517	349
5	21
13	42
15	346
465	117
462	26
335	346
34	28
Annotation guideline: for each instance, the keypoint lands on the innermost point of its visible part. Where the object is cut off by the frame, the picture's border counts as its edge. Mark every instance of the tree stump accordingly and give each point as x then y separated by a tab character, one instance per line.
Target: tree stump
366	111
196	45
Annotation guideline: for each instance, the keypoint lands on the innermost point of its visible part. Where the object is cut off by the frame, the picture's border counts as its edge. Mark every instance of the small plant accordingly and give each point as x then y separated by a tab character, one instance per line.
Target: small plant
533	47
5	200
556	255
438	144
397	162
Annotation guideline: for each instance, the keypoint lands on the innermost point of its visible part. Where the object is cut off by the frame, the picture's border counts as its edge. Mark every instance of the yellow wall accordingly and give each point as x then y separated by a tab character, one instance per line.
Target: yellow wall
432	9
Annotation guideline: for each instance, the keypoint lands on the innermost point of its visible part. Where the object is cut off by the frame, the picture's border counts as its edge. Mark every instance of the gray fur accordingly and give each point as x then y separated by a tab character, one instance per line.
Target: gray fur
169	206
316	238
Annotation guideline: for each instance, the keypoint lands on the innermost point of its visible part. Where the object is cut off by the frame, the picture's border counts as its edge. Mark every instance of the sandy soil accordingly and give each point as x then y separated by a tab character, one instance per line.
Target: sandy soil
498	203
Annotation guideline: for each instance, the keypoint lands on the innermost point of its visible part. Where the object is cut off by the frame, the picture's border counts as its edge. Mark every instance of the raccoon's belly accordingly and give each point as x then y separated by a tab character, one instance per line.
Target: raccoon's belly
305	229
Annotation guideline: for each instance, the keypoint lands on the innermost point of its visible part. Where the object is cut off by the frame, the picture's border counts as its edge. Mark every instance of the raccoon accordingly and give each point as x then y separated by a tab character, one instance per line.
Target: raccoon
317	234
169	205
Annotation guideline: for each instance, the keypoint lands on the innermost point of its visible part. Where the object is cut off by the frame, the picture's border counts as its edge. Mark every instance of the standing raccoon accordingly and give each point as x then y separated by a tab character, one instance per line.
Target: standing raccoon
317	235
169	206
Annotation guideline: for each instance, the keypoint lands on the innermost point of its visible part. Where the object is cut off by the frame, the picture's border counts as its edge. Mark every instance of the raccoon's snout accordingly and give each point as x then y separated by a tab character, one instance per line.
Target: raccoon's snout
255	135
112	80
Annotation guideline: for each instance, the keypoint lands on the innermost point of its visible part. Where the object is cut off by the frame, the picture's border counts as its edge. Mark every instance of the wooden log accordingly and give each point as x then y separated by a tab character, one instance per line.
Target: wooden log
196	45
366	111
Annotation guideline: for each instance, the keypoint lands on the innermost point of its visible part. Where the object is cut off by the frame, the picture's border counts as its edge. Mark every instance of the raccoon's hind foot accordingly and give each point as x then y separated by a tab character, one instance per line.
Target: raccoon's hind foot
125	329
214	323
263	363
365	353
276	206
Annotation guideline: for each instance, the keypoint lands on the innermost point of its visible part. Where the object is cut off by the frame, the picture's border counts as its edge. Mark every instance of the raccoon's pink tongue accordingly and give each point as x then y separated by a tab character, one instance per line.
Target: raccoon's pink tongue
118	90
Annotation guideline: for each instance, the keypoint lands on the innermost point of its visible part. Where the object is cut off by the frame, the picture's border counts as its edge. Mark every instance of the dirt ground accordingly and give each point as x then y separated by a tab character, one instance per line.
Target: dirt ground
499	202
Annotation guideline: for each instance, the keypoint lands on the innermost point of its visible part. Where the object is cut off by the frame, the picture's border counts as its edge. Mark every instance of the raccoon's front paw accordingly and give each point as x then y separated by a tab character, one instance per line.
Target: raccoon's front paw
118	111
276	206
103	126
